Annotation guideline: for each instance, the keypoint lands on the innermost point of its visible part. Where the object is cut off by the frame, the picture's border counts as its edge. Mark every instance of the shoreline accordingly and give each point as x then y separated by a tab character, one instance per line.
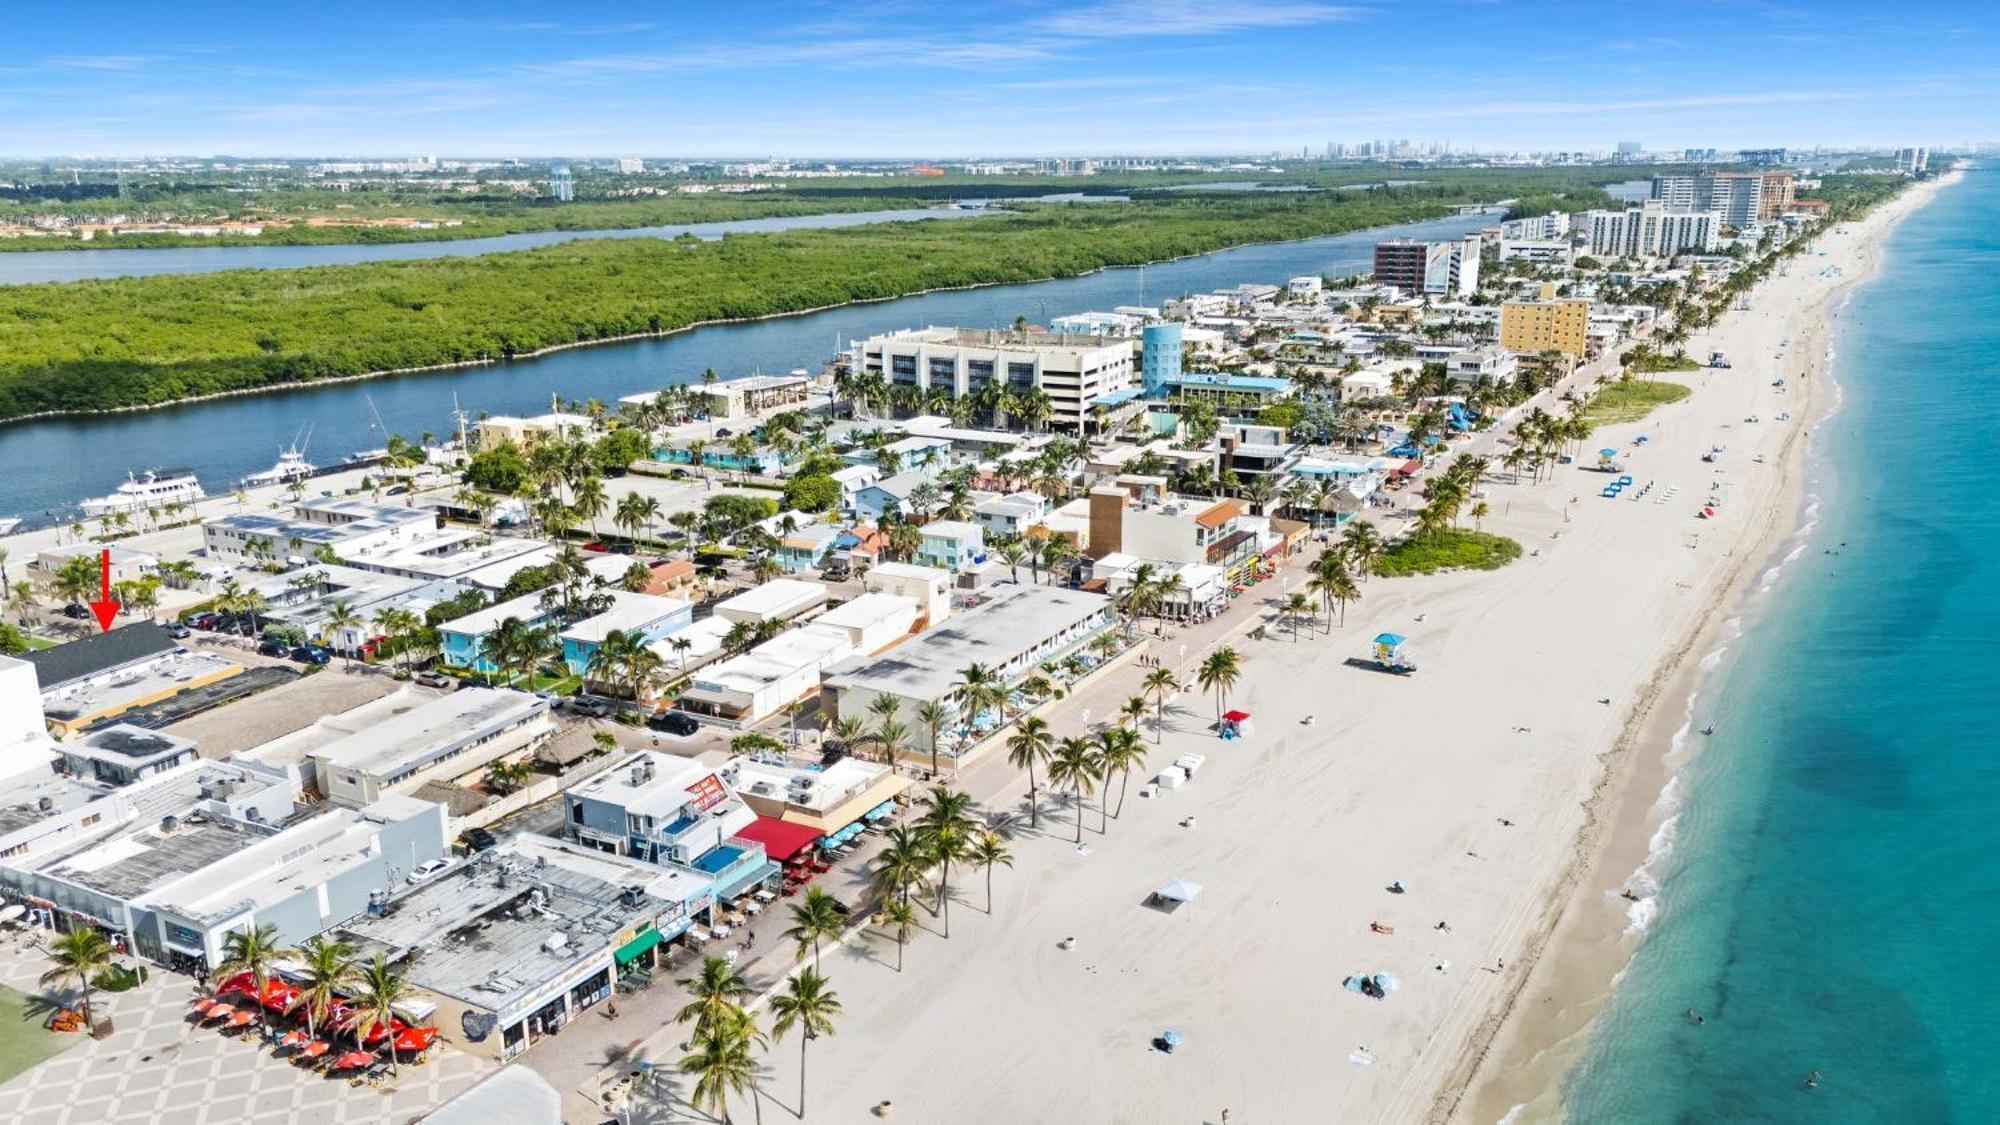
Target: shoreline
337	380
1513	1070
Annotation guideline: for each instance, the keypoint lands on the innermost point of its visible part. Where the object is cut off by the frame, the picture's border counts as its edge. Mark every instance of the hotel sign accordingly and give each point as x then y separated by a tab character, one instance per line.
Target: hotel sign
707	792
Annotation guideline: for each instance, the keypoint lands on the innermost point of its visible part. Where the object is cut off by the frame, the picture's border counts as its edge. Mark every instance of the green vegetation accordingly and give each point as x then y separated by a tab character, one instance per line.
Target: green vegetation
24	1043
1449	549
100	345
1631	401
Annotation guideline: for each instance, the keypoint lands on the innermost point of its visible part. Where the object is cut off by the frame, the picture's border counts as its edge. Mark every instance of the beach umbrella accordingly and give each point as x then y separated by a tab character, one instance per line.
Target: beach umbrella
293	1038
203	1003
315	1049
353	1059
220	1012
242	1019
1170	1037
416	1038
1607	453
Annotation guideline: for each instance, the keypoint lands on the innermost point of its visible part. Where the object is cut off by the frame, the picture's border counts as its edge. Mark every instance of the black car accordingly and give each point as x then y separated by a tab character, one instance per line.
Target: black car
479	840
674	722
272	646
77	610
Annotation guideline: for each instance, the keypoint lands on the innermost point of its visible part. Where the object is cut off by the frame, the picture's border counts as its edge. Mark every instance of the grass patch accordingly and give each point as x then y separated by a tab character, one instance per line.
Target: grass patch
1456	549
24	1043
1629	402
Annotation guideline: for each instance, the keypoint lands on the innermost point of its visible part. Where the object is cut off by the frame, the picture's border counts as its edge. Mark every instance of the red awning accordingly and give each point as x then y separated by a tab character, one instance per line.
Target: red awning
781	838
1236	716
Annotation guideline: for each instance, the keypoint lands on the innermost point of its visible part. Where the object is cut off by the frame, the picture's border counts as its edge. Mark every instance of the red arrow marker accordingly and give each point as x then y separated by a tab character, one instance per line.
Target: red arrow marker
105	608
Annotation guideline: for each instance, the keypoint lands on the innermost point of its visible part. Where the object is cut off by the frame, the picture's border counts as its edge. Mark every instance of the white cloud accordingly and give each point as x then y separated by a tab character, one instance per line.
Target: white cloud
1190	17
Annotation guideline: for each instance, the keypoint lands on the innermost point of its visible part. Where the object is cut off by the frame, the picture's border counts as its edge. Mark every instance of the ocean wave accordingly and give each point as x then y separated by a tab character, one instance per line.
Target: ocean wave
1511	1115
1644	908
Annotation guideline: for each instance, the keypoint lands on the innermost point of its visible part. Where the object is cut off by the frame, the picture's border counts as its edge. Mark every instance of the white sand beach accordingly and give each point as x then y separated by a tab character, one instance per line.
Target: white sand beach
1471	781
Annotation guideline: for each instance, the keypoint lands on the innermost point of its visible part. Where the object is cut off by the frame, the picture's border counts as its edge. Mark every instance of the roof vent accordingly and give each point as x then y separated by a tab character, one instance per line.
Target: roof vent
169	823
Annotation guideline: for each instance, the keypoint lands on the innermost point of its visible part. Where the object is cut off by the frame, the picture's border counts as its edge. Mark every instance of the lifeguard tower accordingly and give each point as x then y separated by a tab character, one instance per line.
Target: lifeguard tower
1389	654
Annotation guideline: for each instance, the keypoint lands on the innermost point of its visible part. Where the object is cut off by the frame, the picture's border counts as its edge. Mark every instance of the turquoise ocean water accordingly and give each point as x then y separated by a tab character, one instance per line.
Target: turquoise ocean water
1831	895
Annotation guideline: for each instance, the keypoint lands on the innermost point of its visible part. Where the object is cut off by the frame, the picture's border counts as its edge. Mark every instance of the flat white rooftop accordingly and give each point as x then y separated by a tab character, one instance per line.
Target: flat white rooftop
780	597
628	611
428	729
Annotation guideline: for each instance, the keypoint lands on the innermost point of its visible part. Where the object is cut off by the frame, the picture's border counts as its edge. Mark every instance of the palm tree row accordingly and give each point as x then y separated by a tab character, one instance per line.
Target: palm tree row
723	1044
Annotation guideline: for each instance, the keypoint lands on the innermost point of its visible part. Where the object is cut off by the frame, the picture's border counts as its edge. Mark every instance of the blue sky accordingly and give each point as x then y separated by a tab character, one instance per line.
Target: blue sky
910	78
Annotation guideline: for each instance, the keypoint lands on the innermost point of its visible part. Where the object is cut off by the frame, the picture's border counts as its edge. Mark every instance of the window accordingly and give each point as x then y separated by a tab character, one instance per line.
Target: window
1021	374
943	370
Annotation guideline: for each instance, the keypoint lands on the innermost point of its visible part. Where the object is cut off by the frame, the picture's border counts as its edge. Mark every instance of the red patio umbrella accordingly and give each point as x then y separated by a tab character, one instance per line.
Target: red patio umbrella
293	1038
315	1049
416	1038
353	1059
242	1019
219	1012
202	1003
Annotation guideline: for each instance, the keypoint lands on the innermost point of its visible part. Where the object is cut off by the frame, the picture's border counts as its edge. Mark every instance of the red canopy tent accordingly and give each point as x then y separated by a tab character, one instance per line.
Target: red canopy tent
781	838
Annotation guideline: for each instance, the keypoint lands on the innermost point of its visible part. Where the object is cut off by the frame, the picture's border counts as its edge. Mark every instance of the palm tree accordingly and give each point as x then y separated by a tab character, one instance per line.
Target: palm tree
716	990
1219	672
903	863
1120	749
987	850
1160	681
889	736
1133	711
329	971
809	1005
380	989
1030	743
255	952
723	1061
79	955
340	617
817	916
935	715
980	688
1075	764
1361	545
945	829
1297	606
895	912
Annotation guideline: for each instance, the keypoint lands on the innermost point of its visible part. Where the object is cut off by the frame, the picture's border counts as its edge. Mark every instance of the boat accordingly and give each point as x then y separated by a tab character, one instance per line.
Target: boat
9	523
155	489
292	464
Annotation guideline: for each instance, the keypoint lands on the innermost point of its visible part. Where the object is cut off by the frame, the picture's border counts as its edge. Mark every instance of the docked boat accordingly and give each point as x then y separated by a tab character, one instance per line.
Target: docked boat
153	489
292	465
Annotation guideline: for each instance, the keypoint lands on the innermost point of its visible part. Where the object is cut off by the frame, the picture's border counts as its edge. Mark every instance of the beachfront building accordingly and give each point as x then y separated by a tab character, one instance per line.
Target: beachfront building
1560	324
1230	393
828	800
1174	531
1653	230
641	616
662	809
519	941
1737	198
1073	371
1434	268
1011	634
1486	365
103	675
413	739
235	857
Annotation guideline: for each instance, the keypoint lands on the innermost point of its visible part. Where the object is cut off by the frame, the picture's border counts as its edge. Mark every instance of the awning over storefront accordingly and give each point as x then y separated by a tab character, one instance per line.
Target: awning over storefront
781	838
638	947
747	879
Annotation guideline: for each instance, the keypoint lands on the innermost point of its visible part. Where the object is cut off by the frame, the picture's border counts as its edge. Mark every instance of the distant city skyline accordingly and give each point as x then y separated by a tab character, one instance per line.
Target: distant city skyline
908	79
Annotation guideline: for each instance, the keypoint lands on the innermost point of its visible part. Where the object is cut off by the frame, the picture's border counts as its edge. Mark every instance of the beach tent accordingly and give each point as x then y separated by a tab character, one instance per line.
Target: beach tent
1236	723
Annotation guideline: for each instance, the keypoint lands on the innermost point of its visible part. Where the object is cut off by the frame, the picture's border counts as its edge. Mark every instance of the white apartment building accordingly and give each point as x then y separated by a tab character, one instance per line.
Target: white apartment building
1073	371
1536	228
1736	197
1652	230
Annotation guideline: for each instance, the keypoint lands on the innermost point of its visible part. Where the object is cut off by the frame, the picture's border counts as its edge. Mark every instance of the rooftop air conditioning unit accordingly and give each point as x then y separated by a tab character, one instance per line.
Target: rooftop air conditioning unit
555	942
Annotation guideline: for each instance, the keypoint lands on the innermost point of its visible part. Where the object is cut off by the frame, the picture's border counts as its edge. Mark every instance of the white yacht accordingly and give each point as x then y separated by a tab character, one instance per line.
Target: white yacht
292	465
153	489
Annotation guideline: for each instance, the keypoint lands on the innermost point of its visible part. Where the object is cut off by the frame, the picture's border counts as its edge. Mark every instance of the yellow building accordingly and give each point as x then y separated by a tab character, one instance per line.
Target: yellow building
1533	327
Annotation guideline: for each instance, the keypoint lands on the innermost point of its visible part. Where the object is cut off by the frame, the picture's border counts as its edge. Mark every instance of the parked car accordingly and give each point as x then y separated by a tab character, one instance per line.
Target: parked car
479	840
203	621
178	631
77	610
591	706
429	870
674	722
272	646
312	654
436	680
836	571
